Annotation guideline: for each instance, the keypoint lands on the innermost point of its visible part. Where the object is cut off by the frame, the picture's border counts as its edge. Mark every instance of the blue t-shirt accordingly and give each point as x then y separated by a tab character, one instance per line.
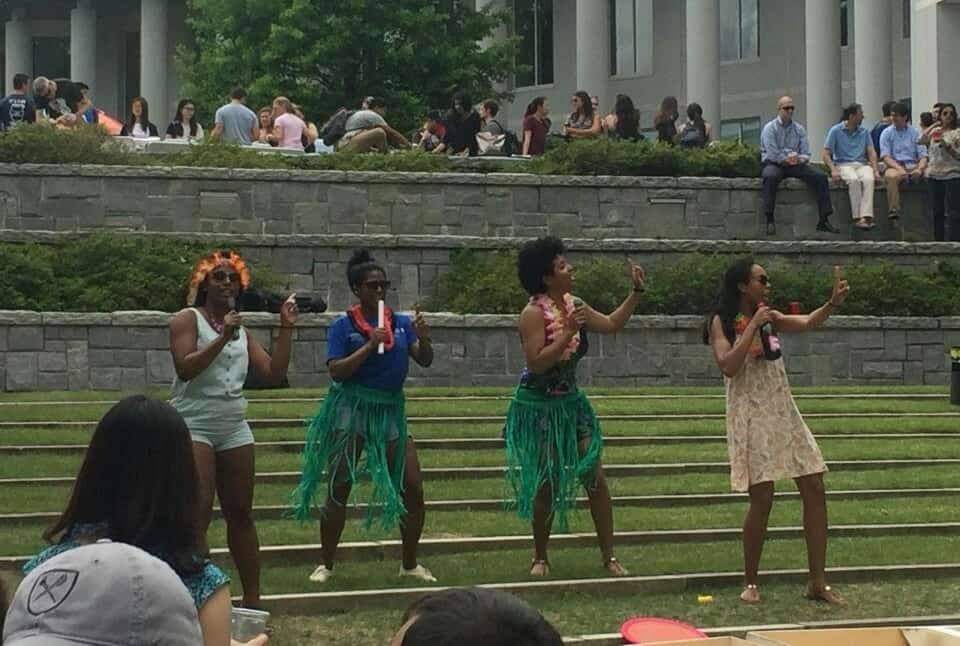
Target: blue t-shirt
385	371
848	146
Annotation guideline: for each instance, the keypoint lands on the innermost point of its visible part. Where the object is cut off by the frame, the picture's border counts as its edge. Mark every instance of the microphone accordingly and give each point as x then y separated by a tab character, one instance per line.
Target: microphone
232	306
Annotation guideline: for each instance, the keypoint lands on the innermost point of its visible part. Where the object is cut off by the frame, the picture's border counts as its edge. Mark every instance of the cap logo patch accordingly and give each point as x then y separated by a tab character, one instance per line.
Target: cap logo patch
51	590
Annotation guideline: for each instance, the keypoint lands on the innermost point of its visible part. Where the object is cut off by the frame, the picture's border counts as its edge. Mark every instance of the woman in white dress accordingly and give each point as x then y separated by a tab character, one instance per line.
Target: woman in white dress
766	437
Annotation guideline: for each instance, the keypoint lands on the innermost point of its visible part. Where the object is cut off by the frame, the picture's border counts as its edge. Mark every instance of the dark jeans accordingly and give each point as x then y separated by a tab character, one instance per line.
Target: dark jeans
945	193
773	174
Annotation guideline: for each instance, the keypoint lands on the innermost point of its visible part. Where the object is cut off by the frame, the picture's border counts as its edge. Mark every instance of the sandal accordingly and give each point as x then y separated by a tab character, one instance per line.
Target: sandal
893	216
864	223
615	567
827	595
750	594
540	568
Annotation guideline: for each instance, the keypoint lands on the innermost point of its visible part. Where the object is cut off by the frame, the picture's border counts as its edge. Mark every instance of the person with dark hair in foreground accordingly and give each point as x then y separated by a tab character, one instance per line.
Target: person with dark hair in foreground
474	617
365	411
767	438
552	435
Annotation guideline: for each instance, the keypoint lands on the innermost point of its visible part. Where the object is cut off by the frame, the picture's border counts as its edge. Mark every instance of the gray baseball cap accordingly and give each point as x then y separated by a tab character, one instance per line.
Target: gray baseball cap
102	594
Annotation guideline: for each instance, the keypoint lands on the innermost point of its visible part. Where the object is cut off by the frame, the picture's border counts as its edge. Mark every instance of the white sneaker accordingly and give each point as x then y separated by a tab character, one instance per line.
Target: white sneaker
419	572
321	574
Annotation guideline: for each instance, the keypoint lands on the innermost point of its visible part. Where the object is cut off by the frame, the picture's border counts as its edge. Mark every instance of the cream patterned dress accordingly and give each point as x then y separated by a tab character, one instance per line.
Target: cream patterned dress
766	436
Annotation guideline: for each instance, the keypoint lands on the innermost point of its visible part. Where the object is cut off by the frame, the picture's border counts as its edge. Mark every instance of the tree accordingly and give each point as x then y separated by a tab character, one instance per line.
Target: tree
325	54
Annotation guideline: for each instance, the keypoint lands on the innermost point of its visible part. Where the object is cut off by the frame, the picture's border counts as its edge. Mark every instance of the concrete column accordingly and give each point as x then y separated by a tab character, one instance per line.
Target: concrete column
703	58
153	58
933	54
822	44
18	48
872	56
593	47
83	43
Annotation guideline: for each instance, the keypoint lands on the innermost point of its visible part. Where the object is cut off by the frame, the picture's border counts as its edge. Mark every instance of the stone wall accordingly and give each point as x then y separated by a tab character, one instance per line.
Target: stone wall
130	351
35	197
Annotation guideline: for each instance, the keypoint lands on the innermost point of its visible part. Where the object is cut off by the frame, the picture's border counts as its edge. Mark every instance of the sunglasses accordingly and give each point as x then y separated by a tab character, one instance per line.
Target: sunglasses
763	280
222	276
377	284
788	108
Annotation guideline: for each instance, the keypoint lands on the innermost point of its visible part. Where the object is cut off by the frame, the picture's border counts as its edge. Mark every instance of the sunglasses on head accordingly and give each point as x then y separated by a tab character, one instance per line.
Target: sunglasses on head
223	276
763	280
377	284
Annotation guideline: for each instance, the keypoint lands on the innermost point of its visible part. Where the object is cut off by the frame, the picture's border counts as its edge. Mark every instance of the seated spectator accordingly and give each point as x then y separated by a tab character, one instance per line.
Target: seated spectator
595	102
310	135
138	123
943	173
665	120
91	114
44	95
474	617
184	126
785	152
462	123
695	133
926	120
904	157
265	121
583	122
235	122
881	125
138	485
288	128
488	113
624	121
430	137
17	107
848	153
536	125
935	110
368	131
104	593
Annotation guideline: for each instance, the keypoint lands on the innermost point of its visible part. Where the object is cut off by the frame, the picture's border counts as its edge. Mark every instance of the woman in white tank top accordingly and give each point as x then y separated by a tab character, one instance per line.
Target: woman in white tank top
211	352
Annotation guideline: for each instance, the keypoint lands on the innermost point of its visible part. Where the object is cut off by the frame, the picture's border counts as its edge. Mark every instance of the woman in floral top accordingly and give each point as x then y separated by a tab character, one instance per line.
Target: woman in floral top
943	141
552	435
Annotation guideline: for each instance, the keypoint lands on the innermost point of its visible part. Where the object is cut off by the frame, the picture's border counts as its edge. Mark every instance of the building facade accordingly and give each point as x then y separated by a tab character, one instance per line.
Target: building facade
734	57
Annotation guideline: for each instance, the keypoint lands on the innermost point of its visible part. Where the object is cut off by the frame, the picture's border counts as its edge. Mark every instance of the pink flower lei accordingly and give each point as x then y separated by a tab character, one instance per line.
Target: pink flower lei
556	320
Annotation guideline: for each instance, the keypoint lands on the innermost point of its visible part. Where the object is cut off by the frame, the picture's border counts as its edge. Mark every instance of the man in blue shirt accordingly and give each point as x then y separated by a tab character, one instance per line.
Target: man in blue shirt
846	152
785	152
905	158
882	125
17	107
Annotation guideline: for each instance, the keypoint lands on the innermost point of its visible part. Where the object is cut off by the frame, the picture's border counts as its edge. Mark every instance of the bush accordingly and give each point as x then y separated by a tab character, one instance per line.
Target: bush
486	283
38	143
142	274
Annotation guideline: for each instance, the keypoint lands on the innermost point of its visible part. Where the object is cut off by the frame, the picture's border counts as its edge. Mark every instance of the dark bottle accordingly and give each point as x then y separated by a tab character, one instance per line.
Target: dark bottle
770	342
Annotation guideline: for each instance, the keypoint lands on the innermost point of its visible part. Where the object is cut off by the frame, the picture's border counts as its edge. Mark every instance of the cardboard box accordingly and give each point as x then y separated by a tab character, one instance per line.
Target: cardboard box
713	641
857	637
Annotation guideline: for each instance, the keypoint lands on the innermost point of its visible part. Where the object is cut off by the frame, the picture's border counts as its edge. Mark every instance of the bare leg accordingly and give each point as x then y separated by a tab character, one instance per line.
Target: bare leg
411	528
754	533
542	523
235	479
206	461
335	511
814	497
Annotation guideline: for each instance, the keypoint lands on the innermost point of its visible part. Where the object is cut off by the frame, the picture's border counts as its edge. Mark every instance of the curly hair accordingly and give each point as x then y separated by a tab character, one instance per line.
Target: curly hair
360	264
197	291
535	261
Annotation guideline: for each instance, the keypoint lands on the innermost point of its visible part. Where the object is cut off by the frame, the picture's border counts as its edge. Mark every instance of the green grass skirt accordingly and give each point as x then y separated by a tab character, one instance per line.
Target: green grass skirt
350	413
542	434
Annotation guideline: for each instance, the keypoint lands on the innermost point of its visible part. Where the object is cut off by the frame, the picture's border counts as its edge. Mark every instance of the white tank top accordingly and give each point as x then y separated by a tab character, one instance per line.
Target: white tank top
214	398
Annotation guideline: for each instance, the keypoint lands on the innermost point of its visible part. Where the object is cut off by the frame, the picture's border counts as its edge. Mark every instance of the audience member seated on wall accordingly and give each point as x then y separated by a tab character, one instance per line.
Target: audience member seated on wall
44	95
184	126
624	122
695	133
942	139
265	121
785	152
885	122
665	120
536	125
848	153
474	617
488	113
310	134
288	128
17	107
91	114
583	122
368	131
138	123
463	123
138	485
905	158
595	102
926	120
235	122
430	137
935	110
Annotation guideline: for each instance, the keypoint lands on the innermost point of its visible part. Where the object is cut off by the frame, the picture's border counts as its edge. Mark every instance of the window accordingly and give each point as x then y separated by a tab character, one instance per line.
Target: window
51	57
844	23
631	37
745	130
905	23
739	35
533	21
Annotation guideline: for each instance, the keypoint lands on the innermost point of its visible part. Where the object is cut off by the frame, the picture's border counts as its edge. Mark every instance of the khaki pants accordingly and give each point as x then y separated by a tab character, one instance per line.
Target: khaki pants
893	177
372	140
859	179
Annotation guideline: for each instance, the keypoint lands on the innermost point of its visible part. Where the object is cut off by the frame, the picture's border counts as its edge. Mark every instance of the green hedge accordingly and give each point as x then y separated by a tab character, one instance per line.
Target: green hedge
103	273
486	283
45	145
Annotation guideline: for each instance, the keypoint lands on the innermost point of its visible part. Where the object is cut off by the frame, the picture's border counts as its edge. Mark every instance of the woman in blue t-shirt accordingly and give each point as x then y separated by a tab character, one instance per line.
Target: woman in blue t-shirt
365	410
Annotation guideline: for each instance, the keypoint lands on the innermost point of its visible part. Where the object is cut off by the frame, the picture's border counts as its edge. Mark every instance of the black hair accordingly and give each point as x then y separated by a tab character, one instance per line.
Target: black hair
376	102
939	104
900	109
728	300
887	107
926	119
492	107
144	118
238	93
850	110
586	104
477	617
20	81
534	105
695	114
943	106
434	115
535	261
139	479
628	119
193	122
463	98
360	264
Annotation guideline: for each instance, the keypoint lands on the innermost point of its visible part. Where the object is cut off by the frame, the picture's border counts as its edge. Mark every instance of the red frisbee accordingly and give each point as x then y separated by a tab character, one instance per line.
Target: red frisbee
644	630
